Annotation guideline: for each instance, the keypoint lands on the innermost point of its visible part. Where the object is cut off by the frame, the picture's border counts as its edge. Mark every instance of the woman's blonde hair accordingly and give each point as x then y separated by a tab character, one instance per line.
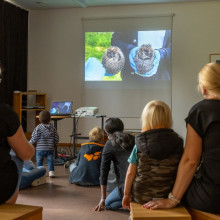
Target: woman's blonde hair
96	134
156	114
209	78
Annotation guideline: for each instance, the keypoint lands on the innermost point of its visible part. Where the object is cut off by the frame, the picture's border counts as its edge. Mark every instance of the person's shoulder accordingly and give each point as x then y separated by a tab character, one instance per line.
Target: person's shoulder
177	137
50	126
92	144
3	105
199	105
123	140
202	103
8	114
108	144
6	108
39	127
97	144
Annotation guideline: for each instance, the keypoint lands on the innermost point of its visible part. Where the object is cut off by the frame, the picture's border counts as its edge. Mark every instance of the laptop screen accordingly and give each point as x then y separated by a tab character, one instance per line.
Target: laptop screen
61	108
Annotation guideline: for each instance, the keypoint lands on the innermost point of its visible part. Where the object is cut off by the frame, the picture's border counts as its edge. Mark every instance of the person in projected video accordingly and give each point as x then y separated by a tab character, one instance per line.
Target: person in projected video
148	54
94	70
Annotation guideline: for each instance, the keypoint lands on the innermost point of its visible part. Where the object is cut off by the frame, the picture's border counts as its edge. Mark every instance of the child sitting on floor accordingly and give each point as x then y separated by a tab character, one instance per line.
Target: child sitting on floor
86	170
155	157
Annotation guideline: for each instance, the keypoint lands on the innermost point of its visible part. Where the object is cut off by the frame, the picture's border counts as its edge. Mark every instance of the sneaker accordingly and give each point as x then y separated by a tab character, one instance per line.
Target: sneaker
51	174
39	181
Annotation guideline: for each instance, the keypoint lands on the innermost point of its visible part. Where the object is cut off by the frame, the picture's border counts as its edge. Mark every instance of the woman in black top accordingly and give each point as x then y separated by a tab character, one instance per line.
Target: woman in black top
198	179
11	137
117	150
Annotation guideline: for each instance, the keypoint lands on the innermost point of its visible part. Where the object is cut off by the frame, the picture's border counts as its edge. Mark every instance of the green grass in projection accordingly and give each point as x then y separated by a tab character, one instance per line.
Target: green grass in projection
96	44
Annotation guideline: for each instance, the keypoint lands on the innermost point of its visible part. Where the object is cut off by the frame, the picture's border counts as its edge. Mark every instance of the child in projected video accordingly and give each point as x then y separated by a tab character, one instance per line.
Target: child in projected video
142	54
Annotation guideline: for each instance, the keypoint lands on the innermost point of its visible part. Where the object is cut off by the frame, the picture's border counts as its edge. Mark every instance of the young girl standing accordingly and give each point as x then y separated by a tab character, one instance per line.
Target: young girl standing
155	157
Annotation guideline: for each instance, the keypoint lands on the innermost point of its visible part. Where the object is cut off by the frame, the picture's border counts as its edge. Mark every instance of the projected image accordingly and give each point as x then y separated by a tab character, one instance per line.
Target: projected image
122	56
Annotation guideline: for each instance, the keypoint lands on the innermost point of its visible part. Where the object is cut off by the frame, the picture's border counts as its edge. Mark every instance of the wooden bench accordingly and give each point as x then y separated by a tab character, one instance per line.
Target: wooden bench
139	213
199	215
20	212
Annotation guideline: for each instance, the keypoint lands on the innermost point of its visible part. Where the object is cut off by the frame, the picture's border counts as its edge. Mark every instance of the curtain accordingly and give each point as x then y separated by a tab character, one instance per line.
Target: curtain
13	50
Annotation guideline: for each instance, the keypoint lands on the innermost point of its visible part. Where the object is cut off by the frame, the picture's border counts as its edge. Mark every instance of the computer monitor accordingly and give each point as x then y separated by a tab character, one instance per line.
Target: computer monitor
59	108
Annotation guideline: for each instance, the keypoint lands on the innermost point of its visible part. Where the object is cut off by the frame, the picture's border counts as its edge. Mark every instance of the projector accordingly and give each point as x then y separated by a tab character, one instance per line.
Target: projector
86	111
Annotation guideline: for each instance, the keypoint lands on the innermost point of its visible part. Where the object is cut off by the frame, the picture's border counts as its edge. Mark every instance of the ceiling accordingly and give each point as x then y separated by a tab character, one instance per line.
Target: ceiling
52	4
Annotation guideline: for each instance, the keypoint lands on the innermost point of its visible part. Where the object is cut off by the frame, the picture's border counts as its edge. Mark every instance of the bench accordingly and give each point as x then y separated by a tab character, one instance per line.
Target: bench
20	212
139	213
199	215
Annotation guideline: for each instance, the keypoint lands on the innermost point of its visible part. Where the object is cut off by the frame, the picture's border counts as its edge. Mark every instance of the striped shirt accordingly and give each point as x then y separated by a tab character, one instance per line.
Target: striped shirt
45	136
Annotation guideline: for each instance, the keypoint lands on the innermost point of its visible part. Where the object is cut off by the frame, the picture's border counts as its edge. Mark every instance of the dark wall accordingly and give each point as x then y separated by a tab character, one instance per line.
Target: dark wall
13	50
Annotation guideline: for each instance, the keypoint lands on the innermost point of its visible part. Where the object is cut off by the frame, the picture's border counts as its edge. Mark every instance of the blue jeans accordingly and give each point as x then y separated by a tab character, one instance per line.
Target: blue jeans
19	164
28	176
49	154
113	201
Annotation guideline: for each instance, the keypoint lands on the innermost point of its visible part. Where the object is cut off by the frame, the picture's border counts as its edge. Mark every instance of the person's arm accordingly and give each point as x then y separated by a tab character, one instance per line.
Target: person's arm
18	142
101	205
34	136
186	170
131	173
104	171
56	136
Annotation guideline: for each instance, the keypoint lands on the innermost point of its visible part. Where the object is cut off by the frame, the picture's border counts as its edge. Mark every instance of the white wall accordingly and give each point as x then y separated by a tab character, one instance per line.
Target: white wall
55	57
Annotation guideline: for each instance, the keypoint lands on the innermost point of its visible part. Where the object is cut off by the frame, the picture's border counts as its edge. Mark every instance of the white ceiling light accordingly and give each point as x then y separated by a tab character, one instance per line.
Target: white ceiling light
82	3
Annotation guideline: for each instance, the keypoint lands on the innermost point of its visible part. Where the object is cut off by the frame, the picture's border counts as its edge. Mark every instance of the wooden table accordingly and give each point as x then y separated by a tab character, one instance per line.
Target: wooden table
139	213
199	215
20	212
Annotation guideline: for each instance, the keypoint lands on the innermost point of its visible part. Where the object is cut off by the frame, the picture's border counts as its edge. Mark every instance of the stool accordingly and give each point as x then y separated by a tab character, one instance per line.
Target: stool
199	215
139	213
20	212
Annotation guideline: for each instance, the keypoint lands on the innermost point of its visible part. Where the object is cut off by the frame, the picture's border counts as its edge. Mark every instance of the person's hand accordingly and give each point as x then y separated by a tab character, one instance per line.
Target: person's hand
156	61
126	202
100	206
131	58
160	204
94	70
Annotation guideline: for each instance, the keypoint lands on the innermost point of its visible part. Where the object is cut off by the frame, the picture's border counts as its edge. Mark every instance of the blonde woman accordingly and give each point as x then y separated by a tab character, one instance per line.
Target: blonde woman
198	179
155	157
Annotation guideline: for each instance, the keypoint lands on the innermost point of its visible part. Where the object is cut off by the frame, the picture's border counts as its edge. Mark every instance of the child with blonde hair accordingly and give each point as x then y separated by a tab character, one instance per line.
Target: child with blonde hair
198	179
155	157
86	170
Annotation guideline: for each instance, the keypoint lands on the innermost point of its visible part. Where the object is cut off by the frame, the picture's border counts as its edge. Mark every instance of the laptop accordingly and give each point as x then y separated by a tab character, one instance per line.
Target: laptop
61	108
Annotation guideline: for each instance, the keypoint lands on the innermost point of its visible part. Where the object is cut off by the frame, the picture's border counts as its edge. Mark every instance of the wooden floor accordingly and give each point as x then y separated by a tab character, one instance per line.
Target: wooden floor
64	201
